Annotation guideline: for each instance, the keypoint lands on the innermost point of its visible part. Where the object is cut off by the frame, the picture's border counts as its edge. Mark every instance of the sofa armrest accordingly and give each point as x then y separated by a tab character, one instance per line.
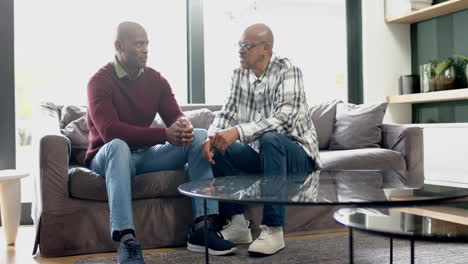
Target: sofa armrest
51	181
408	140
54	152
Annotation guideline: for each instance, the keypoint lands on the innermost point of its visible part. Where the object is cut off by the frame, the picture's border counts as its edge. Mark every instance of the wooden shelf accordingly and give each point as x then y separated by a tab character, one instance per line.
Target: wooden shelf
440	96
437	10
449	214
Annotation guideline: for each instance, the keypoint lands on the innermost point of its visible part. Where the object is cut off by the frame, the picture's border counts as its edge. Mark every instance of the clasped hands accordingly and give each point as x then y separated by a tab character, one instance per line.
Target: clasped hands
180	133
219	141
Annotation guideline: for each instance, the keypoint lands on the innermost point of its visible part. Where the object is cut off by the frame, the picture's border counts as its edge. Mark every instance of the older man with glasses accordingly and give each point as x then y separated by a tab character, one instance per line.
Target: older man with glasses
262	128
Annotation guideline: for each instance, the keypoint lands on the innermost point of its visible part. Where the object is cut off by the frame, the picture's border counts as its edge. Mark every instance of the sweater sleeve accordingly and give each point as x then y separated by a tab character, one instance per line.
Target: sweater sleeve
169	109
104	117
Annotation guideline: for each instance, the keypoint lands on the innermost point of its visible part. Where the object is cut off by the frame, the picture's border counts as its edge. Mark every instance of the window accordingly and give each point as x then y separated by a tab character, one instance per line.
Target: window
60	44
312	33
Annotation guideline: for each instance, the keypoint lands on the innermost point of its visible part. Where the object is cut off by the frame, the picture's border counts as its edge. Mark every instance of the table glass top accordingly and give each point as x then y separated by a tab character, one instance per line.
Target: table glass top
322	188
420	223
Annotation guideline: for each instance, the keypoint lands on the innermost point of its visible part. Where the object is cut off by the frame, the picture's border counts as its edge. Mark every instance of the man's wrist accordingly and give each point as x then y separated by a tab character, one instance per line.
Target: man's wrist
236	131
239	133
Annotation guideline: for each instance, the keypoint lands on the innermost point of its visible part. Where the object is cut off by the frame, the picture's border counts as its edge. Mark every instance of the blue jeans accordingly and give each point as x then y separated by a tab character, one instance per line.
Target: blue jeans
279	156
118	165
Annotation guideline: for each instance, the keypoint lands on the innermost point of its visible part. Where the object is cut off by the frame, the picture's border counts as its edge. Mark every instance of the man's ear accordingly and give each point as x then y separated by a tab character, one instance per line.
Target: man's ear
118	45
267	48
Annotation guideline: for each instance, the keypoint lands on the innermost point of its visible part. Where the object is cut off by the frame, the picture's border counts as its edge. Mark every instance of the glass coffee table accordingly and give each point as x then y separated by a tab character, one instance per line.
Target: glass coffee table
321	188
436	224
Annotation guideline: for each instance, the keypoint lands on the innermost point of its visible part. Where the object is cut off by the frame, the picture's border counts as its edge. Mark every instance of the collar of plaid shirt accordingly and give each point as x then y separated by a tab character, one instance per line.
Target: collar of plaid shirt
253	78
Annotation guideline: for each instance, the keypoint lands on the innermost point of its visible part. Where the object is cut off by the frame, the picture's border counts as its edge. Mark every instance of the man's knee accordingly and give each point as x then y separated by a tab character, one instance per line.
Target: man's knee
199	136
119	152
117	146
271	138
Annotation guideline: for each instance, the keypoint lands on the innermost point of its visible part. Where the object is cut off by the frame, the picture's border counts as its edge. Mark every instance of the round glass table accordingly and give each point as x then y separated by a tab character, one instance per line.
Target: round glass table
406	223
347	188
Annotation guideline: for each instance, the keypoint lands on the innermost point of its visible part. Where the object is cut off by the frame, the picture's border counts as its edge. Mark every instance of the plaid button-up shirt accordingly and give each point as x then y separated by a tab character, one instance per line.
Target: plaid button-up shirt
274	101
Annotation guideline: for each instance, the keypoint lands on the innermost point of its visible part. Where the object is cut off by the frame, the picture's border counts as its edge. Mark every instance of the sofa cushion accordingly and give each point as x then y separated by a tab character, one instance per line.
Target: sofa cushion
77	131
88	185
323	117
358	126
70	113
362	159
200	118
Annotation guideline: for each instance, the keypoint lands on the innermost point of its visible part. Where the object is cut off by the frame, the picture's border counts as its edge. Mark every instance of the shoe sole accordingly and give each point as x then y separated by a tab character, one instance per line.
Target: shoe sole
197	248
257	253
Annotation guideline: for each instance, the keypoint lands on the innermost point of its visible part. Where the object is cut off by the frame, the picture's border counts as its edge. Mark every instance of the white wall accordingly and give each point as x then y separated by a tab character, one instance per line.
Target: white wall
386	56
445	154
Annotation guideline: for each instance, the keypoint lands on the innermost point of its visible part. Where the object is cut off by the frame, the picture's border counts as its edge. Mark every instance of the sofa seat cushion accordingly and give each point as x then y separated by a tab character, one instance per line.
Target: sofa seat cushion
88	185
362	159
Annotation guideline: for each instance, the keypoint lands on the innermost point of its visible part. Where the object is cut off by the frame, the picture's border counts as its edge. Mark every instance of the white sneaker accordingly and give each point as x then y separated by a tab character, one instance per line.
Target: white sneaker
269	242
237	230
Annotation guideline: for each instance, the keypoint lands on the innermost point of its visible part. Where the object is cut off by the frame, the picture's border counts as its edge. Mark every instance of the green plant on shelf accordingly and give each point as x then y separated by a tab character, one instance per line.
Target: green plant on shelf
430	68
443	66
440	74
463	60
462	69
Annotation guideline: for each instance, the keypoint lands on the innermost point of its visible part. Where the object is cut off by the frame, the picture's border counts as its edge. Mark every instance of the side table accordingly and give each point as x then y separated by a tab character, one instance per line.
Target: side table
10	202
394	223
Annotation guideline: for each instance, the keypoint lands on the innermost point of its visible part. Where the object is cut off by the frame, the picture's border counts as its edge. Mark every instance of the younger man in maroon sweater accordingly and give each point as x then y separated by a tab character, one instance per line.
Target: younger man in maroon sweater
123	99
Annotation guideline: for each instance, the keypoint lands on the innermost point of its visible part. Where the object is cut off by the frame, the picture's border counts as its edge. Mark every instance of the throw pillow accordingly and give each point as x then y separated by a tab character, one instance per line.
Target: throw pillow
70	113
77	131
200	118
323	117
358	126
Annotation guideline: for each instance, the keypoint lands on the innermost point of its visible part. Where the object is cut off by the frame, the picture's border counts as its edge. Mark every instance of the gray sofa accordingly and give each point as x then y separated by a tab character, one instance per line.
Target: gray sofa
70	207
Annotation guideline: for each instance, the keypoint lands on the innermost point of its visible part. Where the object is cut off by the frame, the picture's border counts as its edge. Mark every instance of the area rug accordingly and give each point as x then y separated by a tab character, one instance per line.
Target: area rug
368	249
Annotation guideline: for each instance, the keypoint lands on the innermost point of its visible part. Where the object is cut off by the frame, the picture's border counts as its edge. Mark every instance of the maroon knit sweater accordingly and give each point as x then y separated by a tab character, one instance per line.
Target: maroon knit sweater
124	109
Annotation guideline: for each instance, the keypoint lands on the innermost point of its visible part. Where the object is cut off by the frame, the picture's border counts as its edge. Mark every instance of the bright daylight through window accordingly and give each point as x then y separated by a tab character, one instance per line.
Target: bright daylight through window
312	33
60	44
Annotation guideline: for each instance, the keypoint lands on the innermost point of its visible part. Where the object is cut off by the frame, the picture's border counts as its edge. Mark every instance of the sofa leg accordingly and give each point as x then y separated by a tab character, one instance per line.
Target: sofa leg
36	240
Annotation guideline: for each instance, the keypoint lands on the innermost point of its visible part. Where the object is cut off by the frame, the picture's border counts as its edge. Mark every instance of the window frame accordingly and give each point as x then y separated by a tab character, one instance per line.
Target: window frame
195	52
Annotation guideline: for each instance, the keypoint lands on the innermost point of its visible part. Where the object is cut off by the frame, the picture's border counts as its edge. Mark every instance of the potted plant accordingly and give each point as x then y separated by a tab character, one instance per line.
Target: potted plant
438	76
463	64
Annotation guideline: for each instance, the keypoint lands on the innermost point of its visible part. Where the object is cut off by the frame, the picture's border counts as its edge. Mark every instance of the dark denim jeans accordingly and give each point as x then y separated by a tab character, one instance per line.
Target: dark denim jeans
279	156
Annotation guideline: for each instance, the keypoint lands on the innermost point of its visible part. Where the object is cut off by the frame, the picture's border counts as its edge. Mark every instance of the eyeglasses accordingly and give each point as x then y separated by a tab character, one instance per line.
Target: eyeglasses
246	46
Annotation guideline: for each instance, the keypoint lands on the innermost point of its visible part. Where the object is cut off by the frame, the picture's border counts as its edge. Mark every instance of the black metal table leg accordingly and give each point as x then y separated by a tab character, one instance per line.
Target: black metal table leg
207	260
412	251
391	250
350	232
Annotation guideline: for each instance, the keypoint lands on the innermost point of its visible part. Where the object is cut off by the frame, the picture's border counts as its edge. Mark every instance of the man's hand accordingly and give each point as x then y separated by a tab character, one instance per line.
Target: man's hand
207	151
187	134
180	133
223	139
184	121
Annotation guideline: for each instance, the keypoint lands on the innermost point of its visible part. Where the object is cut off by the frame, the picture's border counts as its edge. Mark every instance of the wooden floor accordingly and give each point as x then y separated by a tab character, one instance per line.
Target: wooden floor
21	253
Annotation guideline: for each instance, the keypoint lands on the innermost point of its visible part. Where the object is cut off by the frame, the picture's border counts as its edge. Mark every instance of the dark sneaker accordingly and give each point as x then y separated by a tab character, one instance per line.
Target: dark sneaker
129	252
216	243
